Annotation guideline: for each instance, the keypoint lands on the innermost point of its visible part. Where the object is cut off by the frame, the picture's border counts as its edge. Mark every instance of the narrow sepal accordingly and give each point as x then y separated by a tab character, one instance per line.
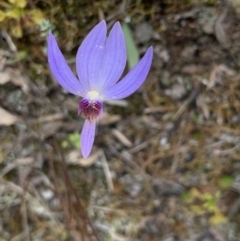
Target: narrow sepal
89	55
133	80
60	69
114	59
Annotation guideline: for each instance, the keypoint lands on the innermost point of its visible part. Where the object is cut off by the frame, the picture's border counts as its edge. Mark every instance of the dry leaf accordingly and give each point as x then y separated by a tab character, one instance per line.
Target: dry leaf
15	77
216	75
122	138
220	30
202	104
17	163
109	119
50	118
18	79
50	128
4	78
75	158
218	218
7	118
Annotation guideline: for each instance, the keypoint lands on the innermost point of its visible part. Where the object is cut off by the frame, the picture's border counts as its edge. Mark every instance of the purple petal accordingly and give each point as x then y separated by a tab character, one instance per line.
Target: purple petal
60	69
133	80
87	137
89	55
114	58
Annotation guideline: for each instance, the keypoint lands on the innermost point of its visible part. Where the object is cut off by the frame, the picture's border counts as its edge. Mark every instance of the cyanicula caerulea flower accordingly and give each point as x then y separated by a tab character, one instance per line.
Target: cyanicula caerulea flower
100	63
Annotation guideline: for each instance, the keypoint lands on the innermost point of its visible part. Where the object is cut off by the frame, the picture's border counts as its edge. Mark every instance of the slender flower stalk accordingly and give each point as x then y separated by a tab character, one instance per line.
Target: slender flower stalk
100	63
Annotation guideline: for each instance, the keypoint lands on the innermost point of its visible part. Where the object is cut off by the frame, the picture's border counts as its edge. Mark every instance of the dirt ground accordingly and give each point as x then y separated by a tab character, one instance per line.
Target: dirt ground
165	165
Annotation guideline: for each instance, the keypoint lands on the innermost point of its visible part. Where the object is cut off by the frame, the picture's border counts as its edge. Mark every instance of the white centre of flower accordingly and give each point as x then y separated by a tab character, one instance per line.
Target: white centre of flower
93	95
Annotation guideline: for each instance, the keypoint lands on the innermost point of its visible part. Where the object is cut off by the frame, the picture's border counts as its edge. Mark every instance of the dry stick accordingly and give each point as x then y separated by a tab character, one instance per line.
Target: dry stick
24	184
80	206
86	221
65	209
68	196
69	193
25	220
193	96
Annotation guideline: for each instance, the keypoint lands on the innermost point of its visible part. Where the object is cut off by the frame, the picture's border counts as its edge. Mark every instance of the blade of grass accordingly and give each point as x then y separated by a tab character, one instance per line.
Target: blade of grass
132	52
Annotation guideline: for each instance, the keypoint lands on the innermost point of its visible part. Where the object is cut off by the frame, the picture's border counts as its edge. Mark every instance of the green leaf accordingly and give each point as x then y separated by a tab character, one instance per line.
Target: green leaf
20	56
71	141
64	144
19	3
2	16
36	15
186	196
226	181
132	52
74	140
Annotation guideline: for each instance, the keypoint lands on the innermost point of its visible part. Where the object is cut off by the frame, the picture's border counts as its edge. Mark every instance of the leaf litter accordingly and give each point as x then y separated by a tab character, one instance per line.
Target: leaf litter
164	166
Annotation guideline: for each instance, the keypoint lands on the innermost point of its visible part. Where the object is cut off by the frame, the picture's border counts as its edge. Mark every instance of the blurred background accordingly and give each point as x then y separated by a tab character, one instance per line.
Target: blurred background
166	161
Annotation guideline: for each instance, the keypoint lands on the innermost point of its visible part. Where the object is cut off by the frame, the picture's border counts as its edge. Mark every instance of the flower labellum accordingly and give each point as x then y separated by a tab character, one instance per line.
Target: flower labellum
100	63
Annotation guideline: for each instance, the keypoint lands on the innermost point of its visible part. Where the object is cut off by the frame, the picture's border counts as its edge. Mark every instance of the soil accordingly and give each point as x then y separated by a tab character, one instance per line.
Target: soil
165	165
